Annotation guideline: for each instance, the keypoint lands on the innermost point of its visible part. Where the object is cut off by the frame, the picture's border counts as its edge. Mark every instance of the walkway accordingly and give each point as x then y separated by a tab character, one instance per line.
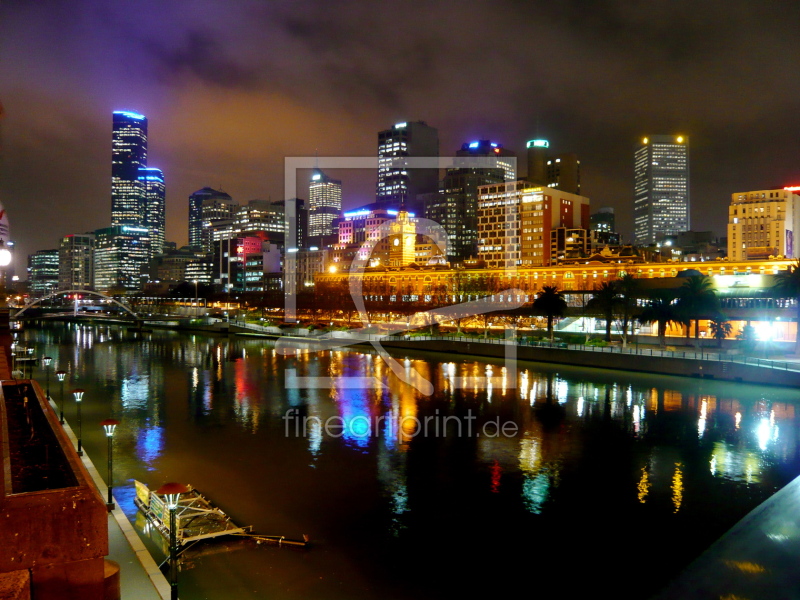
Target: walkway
756	560
140	577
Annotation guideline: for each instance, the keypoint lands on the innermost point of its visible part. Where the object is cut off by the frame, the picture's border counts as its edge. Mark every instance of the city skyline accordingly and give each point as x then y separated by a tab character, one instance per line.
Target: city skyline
644	70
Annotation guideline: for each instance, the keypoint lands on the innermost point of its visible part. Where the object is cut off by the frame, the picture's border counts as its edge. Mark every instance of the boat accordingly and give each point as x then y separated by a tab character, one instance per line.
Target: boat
198	519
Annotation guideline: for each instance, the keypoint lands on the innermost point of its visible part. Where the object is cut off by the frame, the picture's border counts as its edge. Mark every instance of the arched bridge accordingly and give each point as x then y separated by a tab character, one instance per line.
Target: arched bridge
65	292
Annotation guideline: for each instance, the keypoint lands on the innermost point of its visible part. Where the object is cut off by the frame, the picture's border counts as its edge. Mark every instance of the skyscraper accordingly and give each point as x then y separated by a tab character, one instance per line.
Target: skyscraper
76	262
128	155
154	207
324	203
398	183
455	206
661	188
196	201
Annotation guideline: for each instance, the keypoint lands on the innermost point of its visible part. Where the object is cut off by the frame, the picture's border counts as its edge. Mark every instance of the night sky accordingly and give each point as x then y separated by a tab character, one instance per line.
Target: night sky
231	88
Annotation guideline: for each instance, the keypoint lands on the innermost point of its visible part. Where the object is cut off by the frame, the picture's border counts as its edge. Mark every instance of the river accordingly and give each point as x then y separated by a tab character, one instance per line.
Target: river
573	483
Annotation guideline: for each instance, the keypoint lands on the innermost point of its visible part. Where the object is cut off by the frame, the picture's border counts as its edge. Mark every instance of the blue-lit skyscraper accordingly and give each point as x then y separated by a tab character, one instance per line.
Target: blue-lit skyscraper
154	209
128	155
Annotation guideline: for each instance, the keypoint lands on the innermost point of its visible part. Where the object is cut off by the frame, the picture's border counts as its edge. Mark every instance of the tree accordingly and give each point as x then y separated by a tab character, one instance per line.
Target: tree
550	303
605	301
787	285
660	310
629	290
696	299
720	328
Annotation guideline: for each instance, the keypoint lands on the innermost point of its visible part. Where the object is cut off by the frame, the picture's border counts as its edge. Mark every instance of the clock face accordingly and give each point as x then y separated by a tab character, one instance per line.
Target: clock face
396	241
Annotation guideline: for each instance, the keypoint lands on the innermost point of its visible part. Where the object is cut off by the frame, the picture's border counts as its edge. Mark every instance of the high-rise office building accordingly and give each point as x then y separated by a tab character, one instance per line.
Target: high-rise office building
455	206
537	161
154	208
120	253
564	173
324	203
398	183
43	272
661	188
128	155
76	262
762	224
515	221
196	201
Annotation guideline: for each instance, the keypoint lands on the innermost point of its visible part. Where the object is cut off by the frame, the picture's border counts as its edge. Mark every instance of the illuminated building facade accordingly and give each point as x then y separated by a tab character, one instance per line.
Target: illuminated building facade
43	272
661	188
455	206
76	262
120	258
398	184
196	212
324	203
128	155
515	220
763	223
154	208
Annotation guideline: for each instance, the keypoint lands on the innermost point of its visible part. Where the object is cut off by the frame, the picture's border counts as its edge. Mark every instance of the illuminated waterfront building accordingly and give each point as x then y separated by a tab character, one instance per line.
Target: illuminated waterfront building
76	262
120	258
43	272
128	155
154	208
661	188
324	203
515	220
398	183
762	224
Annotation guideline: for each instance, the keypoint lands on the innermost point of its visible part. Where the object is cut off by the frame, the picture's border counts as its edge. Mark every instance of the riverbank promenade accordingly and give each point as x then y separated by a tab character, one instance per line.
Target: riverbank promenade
140	577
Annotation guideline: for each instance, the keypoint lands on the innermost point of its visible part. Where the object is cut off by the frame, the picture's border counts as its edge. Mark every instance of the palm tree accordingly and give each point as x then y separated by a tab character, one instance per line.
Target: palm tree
550	303
660	310
629	293
605	301
696	299
787	285
720	328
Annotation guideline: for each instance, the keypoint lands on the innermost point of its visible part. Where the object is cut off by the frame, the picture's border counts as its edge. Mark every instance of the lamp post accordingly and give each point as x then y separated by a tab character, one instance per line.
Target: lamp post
172	494
60	375
196	301
46	360
30	362
78	393
110	425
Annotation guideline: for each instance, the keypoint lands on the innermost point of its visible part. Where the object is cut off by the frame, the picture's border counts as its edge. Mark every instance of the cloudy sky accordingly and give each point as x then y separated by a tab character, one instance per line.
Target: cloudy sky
232	87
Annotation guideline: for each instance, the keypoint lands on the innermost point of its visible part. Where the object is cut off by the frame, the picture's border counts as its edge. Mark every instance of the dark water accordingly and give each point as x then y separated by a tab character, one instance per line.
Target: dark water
613	482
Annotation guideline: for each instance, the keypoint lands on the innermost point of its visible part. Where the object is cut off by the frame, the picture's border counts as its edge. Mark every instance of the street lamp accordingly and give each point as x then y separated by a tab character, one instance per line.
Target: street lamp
60	375
110	425
78	393
46	360
172	494
196	301
30	362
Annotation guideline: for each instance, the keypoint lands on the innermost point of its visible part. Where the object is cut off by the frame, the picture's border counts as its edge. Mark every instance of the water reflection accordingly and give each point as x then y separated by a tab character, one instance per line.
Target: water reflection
399	468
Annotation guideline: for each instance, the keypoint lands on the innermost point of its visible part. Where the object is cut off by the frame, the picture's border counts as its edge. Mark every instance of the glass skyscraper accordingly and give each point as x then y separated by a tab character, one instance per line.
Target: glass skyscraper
200	218
398	183
661	188
324	203
154	208
128	155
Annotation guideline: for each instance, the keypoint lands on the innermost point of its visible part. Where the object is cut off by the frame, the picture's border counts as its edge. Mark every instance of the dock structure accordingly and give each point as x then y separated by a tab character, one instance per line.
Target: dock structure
196	517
